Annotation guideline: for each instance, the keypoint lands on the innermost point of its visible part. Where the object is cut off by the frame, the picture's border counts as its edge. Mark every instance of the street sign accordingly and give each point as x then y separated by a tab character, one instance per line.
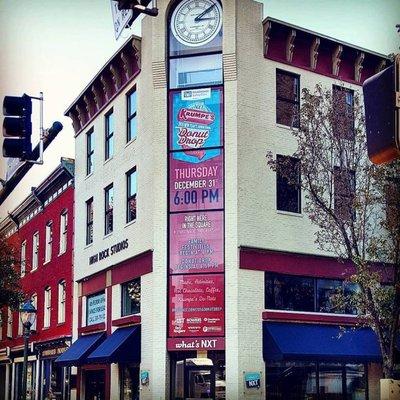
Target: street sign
13	164
121	18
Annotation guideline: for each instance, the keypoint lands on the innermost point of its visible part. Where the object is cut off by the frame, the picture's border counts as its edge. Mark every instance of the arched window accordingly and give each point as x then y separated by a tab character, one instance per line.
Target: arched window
61	301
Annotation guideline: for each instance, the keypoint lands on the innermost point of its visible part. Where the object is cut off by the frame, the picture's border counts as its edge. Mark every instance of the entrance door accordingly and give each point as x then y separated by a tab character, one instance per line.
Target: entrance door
95	385
199	382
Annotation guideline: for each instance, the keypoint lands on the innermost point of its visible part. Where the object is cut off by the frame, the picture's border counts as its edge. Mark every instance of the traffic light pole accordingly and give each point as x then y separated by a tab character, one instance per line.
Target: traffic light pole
41	140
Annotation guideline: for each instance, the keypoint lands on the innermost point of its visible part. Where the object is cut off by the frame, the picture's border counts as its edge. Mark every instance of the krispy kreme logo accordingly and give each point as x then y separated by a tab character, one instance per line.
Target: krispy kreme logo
196	116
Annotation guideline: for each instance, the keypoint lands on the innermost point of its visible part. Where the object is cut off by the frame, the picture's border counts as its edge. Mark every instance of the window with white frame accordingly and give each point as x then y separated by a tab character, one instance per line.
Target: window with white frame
47	307
63	231
61	302
35	250
49	241
9	322
34	303
20	326
23	258
1	324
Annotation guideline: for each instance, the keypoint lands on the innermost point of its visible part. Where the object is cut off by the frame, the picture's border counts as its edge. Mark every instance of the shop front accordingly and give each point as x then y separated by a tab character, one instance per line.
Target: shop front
55	379
321	362
5	369
31	377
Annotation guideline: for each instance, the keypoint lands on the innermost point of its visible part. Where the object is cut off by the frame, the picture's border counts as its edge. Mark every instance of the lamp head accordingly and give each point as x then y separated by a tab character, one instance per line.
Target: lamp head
28	313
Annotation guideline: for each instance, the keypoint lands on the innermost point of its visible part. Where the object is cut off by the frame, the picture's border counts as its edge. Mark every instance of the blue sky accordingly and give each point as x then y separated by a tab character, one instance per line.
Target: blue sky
57	46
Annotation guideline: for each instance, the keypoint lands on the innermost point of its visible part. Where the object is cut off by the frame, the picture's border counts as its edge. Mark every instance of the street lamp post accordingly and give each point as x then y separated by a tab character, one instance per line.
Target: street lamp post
28	316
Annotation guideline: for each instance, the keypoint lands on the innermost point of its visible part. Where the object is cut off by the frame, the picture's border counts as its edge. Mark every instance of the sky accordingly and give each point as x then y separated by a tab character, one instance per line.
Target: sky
57	46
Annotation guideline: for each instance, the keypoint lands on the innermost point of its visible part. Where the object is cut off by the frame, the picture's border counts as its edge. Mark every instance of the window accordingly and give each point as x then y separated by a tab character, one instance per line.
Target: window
20	326
296	293
1	324
35	250
129	382
131	190
63	231
344	192
343	112
96	309
288	193
47	307
196	71
109	136
34	303
89	221
286	292
310	380
89	152
23	258
49	241
132	116
9	323
131	292
61	302
287	98
108	209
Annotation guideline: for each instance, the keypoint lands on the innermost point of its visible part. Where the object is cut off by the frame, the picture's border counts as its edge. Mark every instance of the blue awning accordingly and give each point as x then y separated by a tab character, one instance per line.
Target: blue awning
288	341
78	351
122	346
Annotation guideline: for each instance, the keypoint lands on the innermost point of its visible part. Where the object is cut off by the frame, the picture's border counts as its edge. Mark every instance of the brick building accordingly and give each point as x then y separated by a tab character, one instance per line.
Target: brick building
41	229
187	246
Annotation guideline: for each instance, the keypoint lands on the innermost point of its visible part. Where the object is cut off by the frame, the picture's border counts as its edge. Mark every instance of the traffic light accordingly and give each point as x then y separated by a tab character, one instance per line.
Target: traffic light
17	127
382	102
138	7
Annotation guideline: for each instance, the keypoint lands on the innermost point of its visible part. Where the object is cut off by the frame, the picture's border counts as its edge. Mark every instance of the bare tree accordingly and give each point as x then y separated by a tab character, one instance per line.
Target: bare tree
354	205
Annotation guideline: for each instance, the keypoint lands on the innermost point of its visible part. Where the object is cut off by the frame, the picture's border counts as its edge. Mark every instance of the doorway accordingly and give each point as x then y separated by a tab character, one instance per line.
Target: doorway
95	384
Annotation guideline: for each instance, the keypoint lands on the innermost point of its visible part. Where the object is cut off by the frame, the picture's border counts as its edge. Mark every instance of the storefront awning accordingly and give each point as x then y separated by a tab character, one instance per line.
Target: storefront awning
122	346
289	341
76	354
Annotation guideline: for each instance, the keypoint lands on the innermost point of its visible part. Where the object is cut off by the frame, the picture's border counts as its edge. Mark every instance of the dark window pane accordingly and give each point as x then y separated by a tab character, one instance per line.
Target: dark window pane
131	196
131	294
129	382
287	98
132	116
89	152
291	381
288	193
330	382
132	128
109	136
287	292
89	221
355	382
326	289
109	208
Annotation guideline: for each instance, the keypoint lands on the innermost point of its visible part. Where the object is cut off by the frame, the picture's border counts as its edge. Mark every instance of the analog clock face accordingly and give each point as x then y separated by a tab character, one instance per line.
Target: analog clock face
196	22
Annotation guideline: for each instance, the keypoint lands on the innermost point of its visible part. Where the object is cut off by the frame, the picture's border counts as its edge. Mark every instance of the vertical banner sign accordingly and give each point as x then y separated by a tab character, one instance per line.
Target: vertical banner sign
196	220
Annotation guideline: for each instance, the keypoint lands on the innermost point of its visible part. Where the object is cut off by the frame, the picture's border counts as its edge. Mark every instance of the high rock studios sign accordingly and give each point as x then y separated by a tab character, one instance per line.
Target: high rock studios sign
102	254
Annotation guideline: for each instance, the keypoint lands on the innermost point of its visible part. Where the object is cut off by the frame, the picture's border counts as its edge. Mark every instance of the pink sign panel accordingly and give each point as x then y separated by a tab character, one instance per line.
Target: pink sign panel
186	344
196	186
196	306
196	242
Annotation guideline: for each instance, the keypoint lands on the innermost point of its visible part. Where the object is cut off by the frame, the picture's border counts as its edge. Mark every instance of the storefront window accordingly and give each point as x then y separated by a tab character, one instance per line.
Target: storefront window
355	382
294	380
131	293
96	309
291	381
326	289
129	382
330	381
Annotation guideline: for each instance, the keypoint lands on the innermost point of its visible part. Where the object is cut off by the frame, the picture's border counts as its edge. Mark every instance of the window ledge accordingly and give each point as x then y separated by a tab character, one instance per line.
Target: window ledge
88	245
292	214
287	127
47	262
108	160
61	323
88	176
108	235
60	254
92	328
310	317
33	269
127	320
130	222
130	142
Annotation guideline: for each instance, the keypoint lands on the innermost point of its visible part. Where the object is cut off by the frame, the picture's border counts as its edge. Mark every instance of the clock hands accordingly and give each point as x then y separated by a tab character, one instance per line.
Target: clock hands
199	17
